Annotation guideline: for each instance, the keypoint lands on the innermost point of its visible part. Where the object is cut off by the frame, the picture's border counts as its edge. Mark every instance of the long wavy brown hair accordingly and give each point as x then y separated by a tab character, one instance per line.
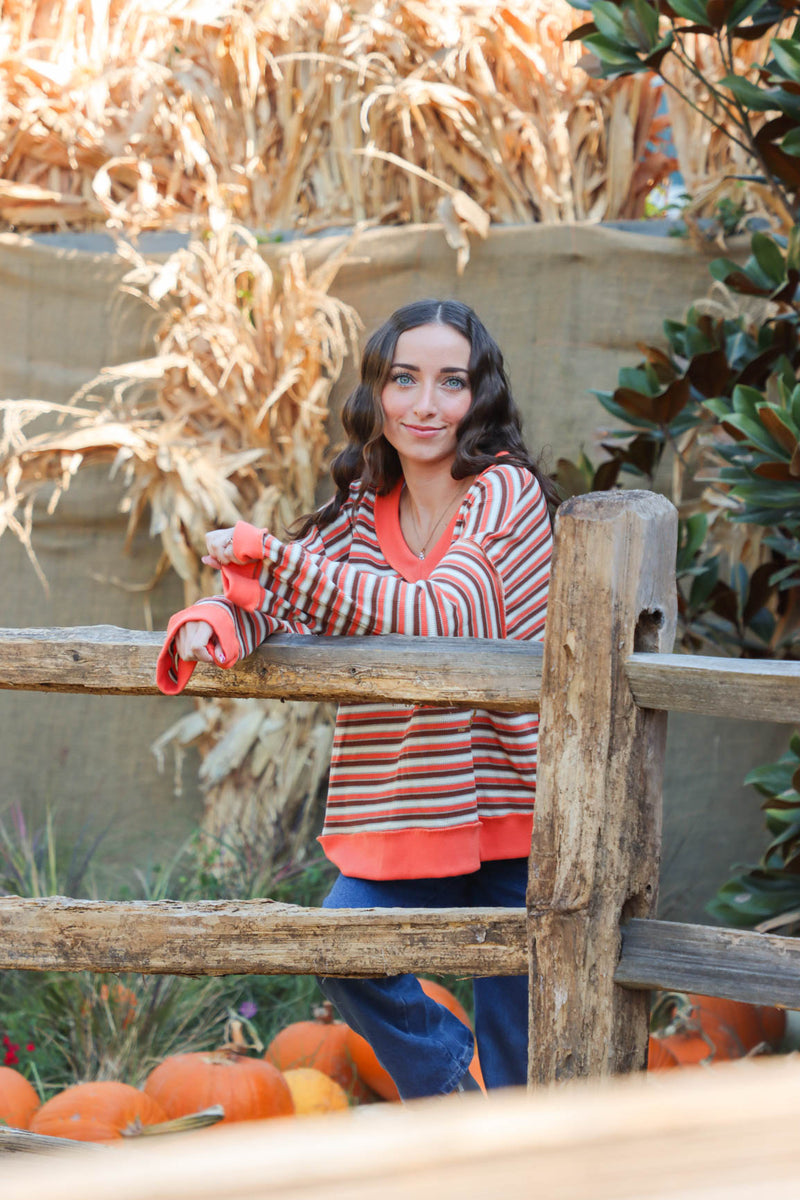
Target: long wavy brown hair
490	429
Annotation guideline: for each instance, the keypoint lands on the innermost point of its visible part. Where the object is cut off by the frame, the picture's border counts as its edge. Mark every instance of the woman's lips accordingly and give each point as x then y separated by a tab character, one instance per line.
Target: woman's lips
424	430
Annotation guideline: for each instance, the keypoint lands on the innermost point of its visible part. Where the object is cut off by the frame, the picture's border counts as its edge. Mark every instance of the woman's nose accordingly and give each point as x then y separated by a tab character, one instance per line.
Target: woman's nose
425	398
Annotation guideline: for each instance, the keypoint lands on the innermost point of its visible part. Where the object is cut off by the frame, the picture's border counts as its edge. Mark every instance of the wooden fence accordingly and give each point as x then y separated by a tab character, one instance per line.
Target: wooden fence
604	682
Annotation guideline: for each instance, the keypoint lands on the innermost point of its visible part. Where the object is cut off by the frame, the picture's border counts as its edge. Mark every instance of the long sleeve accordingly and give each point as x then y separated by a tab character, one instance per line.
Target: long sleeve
236	631
500	557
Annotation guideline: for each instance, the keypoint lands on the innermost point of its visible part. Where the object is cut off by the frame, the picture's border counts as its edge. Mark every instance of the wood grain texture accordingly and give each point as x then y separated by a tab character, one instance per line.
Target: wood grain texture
256	937
440	671
739	964
217	937
597	834
750	689
687	1135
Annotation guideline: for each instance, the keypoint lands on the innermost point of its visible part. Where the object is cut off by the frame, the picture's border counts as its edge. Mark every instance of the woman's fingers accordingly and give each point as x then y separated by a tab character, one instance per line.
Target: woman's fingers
192	640
220	548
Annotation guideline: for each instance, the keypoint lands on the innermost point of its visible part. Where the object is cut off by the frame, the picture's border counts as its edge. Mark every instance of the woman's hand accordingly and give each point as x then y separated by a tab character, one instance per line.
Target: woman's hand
220	549
192	641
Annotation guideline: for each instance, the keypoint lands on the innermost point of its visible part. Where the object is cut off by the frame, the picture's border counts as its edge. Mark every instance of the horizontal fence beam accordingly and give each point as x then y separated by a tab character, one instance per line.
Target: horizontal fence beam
738	964
263	937
257	937
750	689
106	660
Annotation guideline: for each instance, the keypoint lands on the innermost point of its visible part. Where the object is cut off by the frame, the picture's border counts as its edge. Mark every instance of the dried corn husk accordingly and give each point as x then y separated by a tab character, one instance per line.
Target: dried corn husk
226	421
305	115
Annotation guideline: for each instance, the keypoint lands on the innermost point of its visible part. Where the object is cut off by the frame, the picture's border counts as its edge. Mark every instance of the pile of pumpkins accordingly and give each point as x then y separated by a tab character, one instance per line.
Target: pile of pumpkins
321	1065
310	1067
693	1030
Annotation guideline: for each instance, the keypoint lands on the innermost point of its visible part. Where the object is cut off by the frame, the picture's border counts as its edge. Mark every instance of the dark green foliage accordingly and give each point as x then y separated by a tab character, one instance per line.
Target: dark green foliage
629	37
723	395
724	389
768	895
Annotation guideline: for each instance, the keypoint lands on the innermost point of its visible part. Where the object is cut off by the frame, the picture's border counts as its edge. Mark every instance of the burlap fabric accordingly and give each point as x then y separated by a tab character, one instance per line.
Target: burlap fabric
568	304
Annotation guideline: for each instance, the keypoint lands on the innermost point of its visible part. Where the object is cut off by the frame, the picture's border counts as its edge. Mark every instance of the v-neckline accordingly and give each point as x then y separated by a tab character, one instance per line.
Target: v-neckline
396	550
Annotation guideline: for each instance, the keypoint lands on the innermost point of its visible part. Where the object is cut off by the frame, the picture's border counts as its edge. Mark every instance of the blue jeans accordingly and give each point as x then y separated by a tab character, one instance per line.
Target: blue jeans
422	1045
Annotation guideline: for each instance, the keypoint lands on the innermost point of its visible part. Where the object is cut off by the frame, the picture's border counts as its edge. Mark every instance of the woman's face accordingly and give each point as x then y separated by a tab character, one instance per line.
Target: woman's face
427	395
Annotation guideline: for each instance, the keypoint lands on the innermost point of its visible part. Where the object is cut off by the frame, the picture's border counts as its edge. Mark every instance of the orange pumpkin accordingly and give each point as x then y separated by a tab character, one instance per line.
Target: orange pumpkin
97	1112
314	1092
248	1089
19	1099
377	1077
321	1044
707	1029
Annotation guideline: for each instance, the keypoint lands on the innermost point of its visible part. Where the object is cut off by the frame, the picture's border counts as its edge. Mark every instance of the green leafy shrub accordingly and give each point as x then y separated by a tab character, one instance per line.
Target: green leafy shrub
722	396
767	896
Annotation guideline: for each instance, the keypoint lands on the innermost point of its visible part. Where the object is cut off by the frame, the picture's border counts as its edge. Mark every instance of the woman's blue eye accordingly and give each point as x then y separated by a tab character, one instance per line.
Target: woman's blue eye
455	382
403	378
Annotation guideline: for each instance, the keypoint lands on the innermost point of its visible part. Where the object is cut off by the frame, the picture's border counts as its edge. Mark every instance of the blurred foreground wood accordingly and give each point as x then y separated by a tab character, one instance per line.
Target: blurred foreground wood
727	1131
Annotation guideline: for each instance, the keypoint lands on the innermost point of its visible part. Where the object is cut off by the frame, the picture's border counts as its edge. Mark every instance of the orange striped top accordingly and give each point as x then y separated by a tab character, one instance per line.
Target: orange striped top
414	791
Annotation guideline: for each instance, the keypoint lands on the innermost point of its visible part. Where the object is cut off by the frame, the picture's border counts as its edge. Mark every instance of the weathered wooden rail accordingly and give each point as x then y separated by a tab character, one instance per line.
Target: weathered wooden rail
603	683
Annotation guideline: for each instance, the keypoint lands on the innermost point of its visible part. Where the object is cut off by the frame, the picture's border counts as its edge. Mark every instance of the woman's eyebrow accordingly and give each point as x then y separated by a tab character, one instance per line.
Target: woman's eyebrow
442	370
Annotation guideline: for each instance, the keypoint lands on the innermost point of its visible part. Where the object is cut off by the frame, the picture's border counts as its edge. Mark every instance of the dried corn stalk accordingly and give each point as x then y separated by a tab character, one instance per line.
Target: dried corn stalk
313	114
226	421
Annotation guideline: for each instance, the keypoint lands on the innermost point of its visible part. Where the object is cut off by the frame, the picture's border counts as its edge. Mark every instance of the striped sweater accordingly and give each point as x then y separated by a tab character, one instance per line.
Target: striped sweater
414	791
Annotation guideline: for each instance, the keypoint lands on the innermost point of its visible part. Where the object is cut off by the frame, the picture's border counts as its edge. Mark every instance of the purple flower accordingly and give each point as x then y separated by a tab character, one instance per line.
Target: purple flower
248	1009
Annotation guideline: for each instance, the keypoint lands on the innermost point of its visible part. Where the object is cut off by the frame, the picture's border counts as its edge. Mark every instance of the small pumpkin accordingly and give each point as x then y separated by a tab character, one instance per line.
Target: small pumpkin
314	1092
247	1088
319	1043
19	1099
376	1077
690	1029
97	1112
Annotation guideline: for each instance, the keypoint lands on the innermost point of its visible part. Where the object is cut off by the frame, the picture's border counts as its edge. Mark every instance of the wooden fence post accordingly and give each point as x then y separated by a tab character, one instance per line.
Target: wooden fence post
597	830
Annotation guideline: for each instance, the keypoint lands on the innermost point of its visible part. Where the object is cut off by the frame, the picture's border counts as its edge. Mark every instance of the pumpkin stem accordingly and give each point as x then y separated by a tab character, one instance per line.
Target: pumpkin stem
672	1010
235	1040
198	1120
323	1013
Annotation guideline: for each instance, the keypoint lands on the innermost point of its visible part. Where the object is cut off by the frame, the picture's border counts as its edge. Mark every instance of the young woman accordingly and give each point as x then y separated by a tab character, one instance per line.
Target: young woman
439	527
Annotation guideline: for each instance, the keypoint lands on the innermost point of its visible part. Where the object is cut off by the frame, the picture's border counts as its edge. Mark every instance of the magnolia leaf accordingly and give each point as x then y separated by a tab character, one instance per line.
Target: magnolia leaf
710	373
692	10
750	95
577	35
609	19
769	257
791	144
619	58
774	470
778	427
740	10
756	434
786	53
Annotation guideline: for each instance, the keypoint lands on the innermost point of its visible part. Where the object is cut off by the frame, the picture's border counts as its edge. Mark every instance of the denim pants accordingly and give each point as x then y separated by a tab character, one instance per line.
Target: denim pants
422	1045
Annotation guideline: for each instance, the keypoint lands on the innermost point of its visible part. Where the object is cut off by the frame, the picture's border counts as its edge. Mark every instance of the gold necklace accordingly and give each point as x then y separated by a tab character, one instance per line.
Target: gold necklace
450	507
